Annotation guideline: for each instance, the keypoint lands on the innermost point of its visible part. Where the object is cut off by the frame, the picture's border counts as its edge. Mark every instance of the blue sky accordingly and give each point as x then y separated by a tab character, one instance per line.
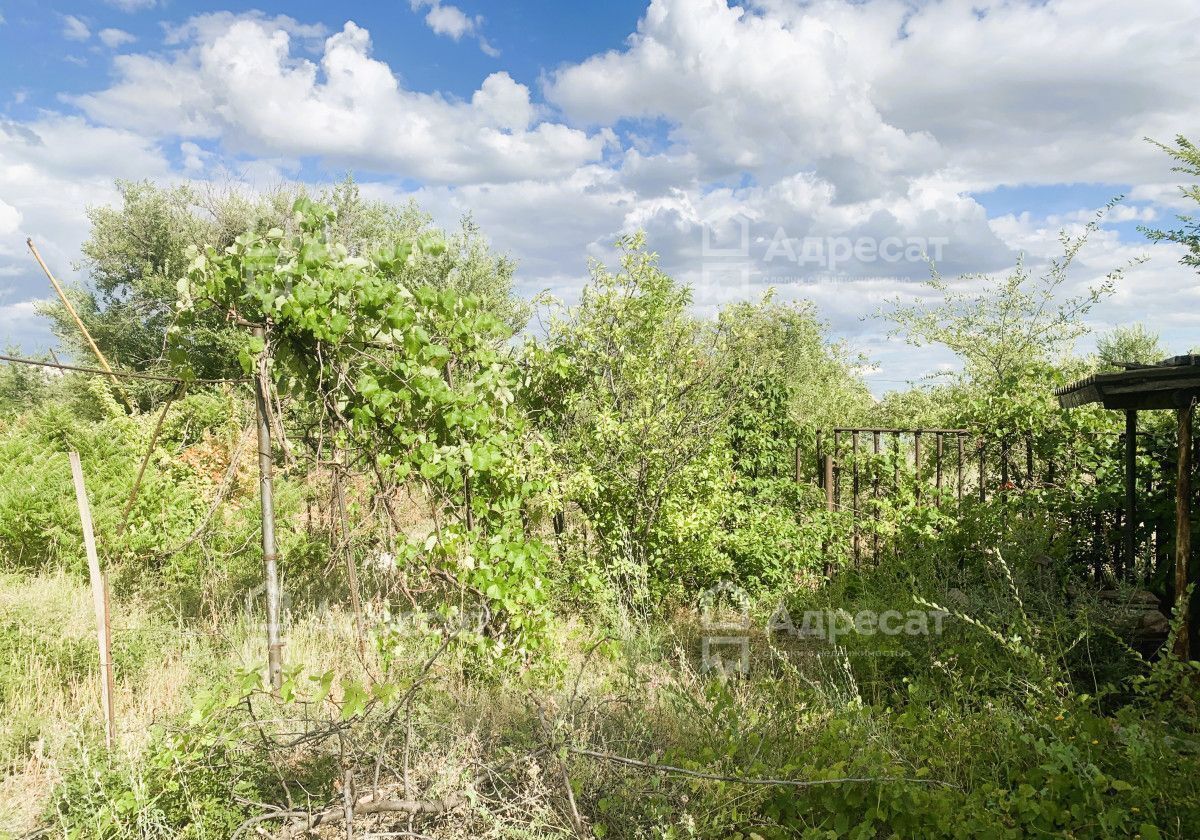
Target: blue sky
826	134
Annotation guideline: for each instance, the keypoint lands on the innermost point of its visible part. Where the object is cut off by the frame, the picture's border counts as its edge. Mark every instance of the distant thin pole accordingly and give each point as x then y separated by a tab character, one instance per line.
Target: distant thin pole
78	322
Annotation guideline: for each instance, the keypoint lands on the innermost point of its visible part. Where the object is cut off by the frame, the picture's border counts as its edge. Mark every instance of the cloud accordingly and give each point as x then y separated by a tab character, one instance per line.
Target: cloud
132	5
240	81
51	170
10	219
446	19
75	29
830	132
452	22
115	38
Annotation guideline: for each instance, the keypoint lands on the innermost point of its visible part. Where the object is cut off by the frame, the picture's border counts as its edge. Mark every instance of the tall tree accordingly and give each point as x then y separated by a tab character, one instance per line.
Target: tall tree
135	258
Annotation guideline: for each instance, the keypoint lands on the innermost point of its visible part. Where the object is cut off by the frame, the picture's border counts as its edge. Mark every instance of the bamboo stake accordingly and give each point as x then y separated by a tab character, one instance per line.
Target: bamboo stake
137	482
99	601
79	323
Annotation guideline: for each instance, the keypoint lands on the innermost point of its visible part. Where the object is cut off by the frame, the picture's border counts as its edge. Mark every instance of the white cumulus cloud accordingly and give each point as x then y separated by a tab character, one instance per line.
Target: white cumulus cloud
115	38
242	82
75	29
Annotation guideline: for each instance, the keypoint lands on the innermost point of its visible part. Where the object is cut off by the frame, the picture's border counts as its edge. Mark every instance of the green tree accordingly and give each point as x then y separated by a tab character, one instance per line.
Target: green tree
413	387
135	257
1014	335
1188	233
1133	344
791	380
631	392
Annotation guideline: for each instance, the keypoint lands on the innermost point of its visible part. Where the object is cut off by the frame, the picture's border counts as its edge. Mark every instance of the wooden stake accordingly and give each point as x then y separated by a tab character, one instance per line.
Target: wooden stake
137	482
351	570
1183	527
79	323
267	496
99	601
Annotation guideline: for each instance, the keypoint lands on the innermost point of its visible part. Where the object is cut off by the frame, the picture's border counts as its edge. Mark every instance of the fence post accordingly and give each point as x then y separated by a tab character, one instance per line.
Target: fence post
875	441
1183	526
959	440
829	500
854	488
99	601
820	460
837	467
938	469
917	464
1130	488
267	497
982	473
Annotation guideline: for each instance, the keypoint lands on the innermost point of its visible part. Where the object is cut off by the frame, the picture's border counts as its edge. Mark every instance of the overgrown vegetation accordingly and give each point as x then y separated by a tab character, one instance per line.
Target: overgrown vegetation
547	538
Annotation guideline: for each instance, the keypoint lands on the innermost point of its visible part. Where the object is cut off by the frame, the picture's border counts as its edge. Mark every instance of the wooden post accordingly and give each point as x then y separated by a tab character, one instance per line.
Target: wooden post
1004	463
959	440
837	467
830	503
982	473
99	602
854	492
917	464
360	633
895	463
1130	489
267	496
820	471
1183	526
875	446
938	468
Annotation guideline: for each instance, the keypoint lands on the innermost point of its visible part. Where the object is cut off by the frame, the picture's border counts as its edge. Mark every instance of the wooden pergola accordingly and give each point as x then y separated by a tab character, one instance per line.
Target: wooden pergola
1172	384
